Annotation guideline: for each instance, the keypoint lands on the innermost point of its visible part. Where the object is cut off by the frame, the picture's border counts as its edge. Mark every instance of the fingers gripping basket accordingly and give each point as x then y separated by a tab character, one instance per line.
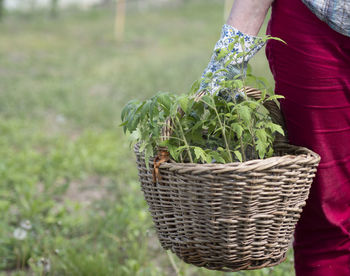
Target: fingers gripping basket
234	216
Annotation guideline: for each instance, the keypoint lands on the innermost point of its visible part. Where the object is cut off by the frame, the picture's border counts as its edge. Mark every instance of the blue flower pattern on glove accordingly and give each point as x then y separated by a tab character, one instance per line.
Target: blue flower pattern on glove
229	34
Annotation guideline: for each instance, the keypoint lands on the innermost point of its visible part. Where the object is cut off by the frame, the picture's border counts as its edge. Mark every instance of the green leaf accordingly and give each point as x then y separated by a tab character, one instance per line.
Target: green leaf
145	109
129	106
231	46
277	38
195	87
228	62
208	99
253	104
221	70
201	155
218	158
238	155
270	152
239	83
275	97
222	53
142	146
184	103
209	75
244	113
239	55
198	109
173	153
133	123
165	100
261	148
197	125
218	130
135	135
237	129
275	128
181	148
261	134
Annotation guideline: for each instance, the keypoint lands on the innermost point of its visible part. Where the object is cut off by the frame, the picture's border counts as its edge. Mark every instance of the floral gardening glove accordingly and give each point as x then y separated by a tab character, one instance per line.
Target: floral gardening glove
232	45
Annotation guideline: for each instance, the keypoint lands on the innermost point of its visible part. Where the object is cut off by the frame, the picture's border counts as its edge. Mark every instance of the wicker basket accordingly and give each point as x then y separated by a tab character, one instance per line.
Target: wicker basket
234	216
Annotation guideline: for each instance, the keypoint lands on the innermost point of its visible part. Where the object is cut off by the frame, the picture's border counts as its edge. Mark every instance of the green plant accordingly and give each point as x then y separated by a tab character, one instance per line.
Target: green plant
223	127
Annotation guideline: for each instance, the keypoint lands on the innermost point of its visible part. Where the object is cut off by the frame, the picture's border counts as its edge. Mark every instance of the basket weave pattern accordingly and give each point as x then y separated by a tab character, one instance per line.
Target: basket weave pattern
234	216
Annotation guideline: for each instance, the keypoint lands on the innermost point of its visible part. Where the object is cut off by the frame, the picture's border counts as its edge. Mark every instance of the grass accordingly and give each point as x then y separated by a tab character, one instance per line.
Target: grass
70	202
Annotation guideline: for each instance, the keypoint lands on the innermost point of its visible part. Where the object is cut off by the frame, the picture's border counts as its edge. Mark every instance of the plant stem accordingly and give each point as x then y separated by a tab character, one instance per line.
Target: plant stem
252	132
224	135
242	150
242	71
180	155
185	141
241	141
222	130
229	136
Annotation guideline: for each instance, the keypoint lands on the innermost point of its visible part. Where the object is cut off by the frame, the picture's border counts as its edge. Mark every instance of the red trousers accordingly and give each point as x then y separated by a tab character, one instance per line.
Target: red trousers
313	73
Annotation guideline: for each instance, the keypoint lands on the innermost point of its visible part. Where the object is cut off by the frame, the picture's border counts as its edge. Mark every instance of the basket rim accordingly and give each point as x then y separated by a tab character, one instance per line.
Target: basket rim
306	157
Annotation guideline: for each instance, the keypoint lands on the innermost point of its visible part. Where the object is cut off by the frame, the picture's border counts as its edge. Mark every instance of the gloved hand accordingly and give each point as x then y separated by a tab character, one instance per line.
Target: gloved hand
231	45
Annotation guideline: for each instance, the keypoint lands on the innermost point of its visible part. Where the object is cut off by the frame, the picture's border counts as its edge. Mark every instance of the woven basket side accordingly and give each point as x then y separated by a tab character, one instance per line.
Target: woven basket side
238	221
225	216
158	201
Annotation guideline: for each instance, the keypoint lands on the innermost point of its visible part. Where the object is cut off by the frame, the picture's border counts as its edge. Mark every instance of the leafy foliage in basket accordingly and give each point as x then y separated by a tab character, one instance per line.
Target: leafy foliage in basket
223	127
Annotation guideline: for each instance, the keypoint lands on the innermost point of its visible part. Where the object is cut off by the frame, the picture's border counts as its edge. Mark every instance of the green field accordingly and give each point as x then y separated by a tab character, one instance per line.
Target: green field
70	201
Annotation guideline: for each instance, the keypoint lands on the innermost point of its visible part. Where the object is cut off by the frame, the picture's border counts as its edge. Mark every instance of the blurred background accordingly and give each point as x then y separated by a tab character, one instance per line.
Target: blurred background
70	201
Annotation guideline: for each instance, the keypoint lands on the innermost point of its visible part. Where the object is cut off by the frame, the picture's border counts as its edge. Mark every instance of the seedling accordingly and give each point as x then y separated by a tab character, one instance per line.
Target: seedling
222	127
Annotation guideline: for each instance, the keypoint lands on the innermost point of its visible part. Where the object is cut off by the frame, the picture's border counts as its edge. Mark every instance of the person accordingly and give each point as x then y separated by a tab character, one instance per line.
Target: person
312	72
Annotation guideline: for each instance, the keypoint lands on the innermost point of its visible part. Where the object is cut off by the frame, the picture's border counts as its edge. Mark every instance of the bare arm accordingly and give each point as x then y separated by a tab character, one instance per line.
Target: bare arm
248	15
